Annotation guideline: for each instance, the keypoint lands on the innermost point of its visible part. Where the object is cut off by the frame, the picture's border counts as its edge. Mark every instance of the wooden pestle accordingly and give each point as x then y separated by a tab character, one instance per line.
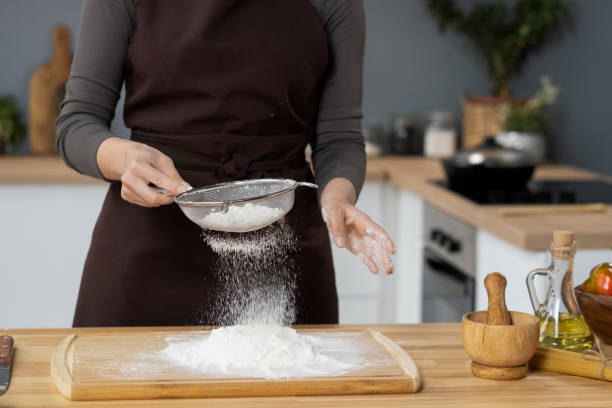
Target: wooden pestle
497	312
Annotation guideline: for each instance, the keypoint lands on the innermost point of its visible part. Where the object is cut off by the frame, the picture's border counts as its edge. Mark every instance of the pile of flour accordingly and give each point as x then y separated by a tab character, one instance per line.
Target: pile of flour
263	350
254	351
240	218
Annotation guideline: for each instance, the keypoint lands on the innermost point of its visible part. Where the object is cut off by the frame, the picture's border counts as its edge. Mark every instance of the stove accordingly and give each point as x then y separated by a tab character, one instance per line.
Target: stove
538	192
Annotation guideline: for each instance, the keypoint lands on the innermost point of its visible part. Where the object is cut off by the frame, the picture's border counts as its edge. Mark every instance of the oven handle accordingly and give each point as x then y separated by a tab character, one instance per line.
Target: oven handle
437	264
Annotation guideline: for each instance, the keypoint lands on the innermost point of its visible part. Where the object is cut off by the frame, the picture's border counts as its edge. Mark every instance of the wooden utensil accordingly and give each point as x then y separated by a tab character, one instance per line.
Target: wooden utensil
497	313
47	88
529	210
124	366
499	342
597	311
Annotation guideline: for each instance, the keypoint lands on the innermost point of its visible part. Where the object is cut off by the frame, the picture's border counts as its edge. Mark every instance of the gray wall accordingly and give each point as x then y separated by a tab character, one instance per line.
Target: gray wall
409	67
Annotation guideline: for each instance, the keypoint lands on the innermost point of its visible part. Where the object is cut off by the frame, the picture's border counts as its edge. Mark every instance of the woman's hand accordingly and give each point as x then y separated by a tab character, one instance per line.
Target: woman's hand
353	229
137	165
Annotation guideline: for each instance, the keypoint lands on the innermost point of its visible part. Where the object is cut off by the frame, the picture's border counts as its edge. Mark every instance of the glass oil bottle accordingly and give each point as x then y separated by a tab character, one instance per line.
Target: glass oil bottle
561	322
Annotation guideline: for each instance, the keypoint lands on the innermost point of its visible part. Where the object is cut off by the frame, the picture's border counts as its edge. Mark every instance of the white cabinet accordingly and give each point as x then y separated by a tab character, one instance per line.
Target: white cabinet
367	298
45	231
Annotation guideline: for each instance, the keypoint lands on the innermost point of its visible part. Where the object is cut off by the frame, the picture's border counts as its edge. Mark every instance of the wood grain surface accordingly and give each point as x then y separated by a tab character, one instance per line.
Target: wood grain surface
435	348
593	230
47	89
127	366
37	170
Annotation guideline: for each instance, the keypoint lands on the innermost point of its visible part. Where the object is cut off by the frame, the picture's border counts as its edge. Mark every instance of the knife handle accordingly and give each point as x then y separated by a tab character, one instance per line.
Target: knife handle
6	350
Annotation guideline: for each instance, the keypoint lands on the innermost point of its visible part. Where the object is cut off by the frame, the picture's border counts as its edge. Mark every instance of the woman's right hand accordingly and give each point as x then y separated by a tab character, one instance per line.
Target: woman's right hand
137	165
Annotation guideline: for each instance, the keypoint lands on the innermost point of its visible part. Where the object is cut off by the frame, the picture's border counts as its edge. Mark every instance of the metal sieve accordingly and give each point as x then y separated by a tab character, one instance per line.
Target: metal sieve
276	194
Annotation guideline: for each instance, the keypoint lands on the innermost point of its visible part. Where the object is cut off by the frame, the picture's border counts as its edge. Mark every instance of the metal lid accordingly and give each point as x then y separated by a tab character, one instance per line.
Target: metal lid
491	154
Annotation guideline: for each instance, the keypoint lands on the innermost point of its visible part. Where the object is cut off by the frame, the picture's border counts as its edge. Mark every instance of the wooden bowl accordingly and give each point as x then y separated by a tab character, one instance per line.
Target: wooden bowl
597	311
507	348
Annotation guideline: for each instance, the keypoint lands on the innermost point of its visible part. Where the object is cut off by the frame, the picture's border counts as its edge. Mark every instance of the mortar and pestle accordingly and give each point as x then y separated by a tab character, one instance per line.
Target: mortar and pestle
499	342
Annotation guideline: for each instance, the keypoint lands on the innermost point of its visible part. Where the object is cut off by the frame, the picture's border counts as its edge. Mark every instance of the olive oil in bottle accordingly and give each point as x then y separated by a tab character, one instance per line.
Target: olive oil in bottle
561	322
569	333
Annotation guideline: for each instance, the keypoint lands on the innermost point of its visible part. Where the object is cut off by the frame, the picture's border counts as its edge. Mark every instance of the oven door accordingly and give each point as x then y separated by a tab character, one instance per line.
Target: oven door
448	292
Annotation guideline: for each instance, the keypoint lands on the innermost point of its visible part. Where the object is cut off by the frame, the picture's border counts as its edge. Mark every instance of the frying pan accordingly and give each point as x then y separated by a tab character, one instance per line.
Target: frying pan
489	165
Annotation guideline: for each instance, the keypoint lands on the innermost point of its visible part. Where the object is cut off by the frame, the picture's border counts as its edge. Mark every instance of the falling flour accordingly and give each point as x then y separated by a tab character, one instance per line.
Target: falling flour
258	277
257	274
258	351
240	218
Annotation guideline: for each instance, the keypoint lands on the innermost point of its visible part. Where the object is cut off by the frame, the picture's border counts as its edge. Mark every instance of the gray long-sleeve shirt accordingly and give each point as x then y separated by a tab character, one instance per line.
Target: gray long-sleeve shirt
97	75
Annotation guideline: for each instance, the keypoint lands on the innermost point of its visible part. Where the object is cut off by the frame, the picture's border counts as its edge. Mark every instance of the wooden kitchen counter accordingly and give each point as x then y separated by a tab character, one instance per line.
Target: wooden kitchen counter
39	170
436	349
528	232
409	173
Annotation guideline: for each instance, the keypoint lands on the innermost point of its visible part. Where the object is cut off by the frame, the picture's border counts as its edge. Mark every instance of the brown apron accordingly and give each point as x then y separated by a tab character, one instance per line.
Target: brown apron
229	90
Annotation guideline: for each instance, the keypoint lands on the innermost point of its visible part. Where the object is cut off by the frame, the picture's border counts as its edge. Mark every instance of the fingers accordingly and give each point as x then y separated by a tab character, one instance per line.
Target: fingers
147	165
365	224
160	179
380	235
368	262
371	241
378	255
136	190
128	195
335	220
170	179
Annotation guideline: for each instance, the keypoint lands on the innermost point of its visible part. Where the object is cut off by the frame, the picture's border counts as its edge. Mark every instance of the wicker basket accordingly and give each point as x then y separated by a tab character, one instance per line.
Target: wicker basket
481	118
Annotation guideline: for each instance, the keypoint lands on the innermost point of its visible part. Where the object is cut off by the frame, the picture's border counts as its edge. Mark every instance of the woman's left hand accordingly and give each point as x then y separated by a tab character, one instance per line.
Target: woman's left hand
353	229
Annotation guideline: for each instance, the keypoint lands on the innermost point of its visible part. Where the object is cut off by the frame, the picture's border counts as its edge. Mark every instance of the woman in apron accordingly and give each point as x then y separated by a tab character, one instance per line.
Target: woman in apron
216	91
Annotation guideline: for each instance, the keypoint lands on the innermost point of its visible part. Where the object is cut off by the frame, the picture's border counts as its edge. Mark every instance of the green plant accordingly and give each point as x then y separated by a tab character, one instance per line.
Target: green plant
11	128
531	116
504	37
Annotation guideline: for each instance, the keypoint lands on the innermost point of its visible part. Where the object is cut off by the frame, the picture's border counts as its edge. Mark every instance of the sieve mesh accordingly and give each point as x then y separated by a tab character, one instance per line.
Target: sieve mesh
278	194
237	191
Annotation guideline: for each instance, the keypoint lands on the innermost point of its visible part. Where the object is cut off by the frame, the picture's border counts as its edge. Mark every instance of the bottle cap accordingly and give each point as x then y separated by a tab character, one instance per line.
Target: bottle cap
562	238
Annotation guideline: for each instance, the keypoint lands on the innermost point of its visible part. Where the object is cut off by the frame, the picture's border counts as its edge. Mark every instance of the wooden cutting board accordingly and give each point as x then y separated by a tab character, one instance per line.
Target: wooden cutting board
128	366
47	89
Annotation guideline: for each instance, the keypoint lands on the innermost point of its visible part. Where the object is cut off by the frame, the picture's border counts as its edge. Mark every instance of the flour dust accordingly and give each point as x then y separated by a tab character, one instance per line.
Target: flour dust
257	272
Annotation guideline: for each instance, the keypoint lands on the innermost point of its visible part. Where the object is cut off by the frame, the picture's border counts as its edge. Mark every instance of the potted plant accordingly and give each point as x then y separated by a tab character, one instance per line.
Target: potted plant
526	125
11	128
504	36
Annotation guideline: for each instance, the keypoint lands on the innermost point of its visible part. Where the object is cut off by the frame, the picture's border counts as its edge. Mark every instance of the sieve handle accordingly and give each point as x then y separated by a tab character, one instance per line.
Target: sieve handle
306	184
162	191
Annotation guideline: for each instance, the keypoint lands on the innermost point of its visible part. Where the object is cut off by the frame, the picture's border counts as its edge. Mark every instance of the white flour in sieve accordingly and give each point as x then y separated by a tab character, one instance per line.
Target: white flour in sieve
242	217
256	351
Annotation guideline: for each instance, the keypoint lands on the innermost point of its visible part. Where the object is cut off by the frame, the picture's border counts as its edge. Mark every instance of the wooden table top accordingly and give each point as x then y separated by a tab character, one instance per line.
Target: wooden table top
436	349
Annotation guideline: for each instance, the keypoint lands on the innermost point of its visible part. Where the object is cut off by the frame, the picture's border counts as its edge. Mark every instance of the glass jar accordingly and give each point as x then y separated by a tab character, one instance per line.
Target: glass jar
373	137
406	136
561	322
441	135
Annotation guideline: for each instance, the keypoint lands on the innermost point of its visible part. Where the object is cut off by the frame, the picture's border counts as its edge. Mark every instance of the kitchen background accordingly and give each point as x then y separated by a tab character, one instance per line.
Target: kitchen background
410	67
